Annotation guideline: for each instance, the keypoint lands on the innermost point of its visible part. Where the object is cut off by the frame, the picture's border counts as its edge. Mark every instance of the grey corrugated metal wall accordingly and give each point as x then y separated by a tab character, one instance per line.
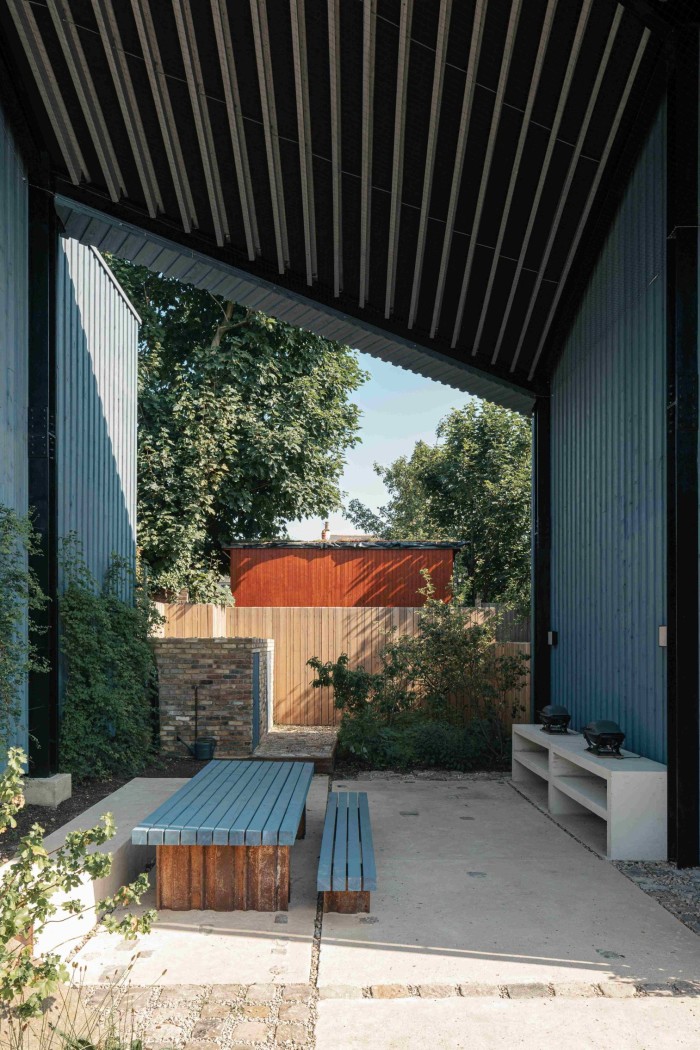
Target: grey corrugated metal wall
13	327
609	476
97	341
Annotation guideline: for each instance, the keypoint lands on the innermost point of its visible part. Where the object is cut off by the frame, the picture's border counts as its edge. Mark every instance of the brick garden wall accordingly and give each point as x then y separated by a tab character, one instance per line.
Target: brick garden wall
223	670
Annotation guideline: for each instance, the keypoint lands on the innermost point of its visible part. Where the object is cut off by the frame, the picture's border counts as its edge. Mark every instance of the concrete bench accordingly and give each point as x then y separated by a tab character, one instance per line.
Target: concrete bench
346	869
627	794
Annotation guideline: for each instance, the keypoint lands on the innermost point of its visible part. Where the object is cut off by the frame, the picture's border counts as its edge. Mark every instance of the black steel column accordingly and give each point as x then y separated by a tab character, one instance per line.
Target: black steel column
43	687
541	672
682	451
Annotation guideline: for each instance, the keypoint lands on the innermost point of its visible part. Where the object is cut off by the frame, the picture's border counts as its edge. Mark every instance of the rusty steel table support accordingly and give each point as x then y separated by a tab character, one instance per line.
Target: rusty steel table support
346	902
223	839
222	878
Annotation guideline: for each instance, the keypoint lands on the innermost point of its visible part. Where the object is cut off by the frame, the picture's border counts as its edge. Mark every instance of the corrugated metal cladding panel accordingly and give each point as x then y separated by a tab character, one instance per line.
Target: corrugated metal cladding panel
97	343
609	477
129	242
13	329
336	578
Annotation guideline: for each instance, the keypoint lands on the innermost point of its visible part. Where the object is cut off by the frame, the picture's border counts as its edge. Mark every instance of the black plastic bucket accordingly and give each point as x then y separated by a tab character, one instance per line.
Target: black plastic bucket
204	747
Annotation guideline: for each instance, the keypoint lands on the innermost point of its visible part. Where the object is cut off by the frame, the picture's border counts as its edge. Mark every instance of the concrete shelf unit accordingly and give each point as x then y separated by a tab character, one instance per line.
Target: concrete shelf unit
628	794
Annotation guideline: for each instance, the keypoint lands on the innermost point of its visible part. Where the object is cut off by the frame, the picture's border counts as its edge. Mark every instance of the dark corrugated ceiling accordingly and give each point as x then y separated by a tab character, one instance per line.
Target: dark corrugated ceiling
430	170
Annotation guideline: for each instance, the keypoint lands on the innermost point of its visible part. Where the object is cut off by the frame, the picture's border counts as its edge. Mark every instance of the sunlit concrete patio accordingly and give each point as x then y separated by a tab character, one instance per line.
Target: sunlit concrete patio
489	1023
217	948
476	888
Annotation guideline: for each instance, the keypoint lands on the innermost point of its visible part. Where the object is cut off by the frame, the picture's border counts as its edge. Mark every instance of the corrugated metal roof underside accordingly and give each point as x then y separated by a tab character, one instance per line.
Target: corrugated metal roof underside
608	478
418	180
163	256
14	315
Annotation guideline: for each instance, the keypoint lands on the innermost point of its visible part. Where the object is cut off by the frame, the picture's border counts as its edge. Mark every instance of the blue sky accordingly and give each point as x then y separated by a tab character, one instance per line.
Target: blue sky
398	409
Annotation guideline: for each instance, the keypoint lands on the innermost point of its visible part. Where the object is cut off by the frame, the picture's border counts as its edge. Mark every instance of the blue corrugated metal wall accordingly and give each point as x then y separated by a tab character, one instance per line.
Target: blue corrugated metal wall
13	327
13	324
97	338
609	476
97	334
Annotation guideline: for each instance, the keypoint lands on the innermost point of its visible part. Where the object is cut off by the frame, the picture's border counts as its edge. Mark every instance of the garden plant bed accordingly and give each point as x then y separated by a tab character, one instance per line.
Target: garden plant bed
86	794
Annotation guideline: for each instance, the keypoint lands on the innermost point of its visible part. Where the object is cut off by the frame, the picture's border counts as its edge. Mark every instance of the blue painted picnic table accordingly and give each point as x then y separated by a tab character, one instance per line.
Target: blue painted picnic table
223	838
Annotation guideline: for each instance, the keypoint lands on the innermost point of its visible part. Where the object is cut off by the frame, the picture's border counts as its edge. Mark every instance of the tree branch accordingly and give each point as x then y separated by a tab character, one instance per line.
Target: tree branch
228	325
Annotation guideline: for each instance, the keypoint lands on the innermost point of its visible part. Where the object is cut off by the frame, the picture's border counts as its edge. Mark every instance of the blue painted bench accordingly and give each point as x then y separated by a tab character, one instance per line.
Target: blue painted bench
222	841
347	872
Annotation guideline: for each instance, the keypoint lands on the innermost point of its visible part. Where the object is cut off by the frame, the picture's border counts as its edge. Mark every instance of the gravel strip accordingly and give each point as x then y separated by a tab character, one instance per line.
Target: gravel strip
352	773
676	890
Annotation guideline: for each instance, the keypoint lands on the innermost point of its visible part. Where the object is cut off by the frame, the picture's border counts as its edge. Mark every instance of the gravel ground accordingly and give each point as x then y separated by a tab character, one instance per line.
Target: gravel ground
678	891
347	772
235	1017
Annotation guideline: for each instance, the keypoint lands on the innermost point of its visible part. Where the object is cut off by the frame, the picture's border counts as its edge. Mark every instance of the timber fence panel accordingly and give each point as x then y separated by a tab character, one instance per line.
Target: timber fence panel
300	633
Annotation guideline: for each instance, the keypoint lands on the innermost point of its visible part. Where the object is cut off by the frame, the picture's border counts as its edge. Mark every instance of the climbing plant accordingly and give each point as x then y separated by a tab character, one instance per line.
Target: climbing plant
20	598
107	725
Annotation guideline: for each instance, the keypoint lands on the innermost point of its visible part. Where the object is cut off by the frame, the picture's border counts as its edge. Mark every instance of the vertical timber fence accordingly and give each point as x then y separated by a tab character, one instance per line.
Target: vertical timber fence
300	633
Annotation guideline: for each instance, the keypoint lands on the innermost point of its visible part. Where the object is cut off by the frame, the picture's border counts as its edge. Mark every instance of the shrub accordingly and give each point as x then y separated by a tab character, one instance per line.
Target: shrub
20	598
353	687
441	697
28	887
107	725
418	742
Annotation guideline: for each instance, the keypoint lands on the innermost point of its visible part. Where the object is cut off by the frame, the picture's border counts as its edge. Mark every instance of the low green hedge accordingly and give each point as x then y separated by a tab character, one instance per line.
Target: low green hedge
416	742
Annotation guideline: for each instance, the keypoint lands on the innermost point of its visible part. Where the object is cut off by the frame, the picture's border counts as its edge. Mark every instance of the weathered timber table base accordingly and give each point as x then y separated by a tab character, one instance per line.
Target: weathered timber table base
222	878
346	902
223	839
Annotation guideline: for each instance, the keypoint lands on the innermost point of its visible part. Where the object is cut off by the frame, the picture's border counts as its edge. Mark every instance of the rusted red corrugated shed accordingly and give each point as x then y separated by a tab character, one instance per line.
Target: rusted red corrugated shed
337	575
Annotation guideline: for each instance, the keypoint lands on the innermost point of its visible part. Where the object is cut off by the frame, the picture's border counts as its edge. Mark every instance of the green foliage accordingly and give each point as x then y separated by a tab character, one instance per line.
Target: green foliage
72	1019
110	669
112	1041
417	742
28	889
20	598
473	485
389	691
243	426
441	697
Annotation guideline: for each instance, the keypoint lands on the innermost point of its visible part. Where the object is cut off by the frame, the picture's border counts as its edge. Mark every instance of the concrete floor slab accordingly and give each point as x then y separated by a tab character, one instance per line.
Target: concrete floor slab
476	886
493	1024
206	947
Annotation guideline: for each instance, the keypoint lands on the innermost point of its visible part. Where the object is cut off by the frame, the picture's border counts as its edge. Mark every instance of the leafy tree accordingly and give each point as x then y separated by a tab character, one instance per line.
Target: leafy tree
473	485
244	423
